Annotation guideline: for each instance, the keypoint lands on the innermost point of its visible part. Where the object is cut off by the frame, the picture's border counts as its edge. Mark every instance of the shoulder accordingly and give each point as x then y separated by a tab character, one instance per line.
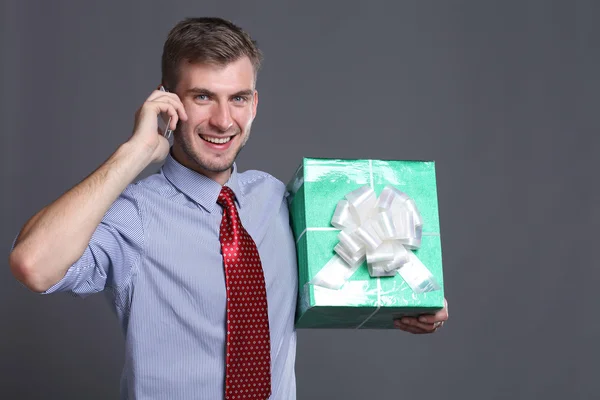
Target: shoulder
264	206
254	180
155	184
138	194
263	193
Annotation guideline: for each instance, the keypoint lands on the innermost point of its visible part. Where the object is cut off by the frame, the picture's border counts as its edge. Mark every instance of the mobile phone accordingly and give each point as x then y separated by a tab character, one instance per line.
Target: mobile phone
164	120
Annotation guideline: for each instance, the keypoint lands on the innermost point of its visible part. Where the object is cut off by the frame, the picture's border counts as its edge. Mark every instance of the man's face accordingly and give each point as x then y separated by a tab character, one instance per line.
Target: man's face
220	102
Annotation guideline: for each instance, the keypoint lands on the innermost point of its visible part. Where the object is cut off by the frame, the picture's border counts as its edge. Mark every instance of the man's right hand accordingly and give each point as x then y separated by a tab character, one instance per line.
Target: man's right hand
145	131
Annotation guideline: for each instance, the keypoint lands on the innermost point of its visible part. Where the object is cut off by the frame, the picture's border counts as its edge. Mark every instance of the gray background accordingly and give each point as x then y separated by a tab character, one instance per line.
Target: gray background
503	95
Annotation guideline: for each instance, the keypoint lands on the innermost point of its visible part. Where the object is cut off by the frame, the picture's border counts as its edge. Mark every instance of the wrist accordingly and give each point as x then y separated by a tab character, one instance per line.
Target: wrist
135	157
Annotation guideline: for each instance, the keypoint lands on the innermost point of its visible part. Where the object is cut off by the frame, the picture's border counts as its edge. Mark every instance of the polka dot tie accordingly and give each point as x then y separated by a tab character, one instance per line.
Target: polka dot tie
248	357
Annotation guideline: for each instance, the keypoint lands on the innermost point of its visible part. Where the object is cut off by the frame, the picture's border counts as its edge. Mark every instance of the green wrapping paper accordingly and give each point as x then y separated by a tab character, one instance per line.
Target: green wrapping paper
363	301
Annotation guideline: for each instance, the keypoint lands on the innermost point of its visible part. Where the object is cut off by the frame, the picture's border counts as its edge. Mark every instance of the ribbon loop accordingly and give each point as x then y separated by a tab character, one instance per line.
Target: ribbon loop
386	225
342	218
350	242
367	233
384	253
362	203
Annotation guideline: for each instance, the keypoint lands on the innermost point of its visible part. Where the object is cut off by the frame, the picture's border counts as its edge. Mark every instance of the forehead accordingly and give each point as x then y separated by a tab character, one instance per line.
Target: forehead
231	77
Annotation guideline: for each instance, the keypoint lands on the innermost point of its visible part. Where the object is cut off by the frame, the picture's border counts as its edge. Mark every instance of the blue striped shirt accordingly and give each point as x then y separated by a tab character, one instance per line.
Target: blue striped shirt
157	255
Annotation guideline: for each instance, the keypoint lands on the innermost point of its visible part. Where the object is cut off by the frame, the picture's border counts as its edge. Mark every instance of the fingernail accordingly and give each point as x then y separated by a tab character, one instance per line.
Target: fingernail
406	321
423	319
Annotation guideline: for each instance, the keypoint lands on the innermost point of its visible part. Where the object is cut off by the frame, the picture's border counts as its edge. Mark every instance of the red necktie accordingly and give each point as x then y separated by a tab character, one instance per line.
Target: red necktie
248	359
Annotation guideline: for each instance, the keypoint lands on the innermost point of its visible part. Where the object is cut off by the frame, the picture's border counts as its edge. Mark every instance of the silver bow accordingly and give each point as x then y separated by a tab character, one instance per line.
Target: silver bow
384	231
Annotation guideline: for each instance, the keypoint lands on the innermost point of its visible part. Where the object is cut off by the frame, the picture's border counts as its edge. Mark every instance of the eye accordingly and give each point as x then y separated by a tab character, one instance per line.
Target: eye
240	99
202	97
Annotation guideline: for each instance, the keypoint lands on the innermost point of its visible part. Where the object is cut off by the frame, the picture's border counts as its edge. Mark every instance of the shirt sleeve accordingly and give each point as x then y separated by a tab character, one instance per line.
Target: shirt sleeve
112	253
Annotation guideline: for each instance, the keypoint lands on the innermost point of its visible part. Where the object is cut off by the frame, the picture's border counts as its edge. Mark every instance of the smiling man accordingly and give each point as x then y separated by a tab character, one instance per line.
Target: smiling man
220	102
198	259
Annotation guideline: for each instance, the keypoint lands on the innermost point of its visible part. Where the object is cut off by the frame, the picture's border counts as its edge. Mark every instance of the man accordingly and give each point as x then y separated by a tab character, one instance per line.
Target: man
198	259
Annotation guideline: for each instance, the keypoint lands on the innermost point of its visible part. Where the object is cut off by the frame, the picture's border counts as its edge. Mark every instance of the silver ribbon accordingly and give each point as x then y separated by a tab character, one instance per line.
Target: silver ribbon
384	231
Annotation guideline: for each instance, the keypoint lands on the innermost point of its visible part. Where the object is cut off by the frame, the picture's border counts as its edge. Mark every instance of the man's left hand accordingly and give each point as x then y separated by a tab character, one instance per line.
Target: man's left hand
425	323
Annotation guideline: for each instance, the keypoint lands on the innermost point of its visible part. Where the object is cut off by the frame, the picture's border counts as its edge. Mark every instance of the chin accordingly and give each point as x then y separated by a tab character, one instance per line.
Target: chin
215	168
220	165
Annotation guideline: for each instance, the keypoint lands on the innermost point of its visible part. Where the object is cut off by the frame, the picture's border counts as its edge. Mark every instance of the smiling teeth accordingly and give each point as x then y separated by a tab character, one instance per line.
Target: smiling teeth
215	140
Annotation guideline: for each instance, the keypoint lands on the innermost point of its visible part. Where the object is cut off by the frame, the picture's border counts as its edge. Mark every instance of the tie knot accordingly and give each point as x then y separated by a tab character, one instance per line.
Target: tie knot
226	197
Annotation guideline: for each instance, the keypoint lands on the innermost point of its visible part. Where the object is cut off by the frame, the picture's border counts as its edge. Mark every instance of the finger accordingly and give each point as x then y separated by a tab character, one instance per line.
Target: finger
166	108
407	328
176	101
410	328
412	322
159	95
446	308
439	316
176	104
421	325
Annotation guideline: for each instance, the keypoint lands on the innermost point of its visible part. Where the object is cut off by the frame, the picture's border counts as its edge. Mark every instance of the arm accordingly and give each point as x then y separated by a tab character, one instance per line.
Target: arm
57	236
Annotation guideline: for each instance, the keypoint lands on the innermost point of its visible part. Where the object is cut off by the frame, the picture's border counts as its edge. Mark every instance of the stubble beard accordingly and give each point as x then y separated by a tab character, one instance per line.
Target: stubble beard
203	163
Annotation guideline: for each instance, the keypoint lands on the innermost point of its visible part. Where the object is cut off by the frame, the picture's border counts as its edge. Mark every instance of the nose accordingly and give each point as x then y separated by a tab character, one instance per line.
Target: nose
221	117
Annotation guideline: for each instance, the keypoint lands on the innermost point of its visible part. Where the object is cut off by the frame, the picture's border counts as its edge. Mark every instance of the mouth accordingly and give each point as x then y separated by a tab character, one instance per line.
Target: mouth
217	141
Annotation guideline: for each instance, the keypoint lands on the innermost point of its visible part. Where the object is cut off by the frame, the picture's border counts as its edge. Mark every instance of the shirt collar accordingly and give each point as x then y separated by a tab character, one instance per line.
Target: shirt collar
198	187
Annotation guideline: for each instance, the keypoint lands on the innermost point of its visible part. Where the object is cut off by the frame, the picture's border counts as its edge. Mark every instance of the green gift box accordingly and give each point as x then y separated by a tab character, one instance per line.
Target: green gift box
362	301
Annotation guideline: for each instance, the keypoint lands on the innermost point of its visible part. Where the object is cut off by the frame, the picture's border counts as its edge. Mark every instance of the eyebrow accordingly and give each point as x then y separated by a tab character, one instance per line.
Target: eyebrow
246	92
